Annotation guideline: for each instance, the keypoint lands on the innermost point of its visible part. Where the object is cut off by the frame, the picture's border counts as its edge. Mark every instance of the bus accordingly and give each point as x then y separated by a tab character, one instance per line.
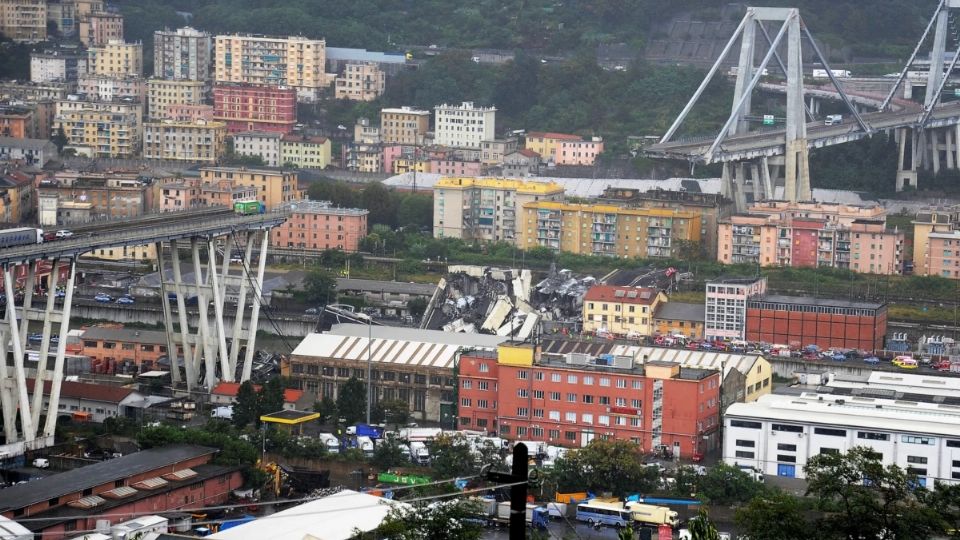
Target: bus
600	513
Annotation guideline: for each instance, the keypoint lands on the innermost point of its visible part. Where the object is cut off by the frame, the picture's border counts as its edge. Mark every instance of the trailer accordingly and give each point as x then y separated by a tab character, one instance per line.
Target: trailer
536	516
20	236
249	207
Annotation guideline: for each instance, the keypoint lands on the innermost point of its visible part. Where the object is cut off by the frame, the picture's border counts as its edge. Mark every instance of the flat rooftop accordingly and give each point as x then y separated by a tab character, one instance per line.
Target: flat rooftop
389	287
806	301
461	339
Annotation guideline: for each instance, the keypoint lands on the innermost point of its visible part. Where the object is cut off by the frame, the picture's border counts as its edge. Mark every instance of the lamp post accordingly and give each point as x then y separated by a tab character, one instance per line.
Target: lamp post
369	366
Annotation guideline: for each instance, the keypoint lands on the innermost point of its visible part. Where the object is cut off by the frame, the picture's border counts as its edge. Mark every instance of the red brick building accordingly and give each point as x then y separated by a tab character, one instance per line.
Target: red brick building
152	481
826	323
571	402
124	347
249	107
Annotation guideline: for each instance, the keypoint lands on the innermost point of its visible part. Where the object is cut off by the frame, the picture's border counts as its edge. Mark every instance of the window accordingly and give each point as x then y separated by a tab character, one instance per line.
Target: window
787	447
869	435
604	381
587	399
467	385
465	402
786	458
570	435
484	368
538	375
637	384
521	431
744	454
588	380
745	424
587	418
571	397
787	427
570	417
571	379
523	412
483	386
829	450
603	420
621	402
555	416
953	444
554	396
920	460
830	432
745	443
522	374
912	439
603	400
482	404
538	394
554	434
621	383
522	393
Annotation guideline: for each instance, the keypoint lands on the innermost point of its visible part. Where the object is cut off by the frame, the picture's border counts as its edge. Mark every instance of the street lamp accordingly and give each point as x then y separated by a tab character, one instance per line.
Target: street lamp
369	366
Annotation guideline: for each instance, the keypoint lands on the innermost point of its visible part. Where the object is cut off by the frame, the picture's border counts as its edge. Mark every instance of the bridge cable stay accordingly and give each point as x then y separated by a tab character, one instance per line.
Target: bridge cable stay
913	57
936	73
783	68
836	84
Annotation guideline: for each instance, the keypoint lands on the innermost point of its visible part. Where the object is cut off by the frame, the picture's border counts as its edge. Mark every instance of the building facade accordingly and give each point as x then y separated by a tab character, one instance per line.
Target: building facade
109	196
464	125
778	434
193	142
545	143
295	62
58	66
101	129
304	152
187	113
493	152
485	208
110	88
264	144
98	29
182	54
676	318
24	21
579	152
621	311
116	57
599	229
31	151
124	346
274	186
162	93
725	316
360	82
247	107
404	125
318	226
569	402
826	323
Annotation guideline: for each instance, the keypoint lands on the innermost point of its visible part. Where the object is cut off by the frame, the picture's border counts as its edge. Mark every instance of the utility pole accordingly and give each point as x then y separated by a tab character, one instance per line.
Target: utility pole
519	475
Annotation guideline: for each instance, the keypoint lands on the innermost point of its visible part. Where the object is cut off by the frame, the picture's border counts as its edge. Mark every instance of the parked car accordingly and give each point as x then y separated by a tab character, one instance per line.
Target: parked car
871	360
126	300
64	233
102	297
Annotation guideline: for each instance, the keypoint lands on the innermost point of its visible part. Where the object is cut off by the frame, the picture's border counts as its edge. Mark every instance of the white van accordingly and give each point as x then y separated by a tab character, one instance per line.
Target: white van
833	120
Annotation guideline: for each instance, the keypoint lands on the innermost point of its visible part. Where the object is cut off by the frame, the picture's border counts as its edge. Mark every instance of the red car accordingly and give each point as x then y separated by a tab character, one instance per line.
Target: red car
49	236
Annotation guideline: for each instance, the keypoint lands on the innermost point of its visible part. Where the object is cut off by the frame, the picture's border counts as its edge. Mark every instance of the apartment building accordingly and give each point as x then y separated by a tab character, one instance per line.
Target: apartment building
304	152
246	107
32	91
726	307
192	142
485	208
109	195
101	128
24	21
319	225
116	57
599	229
18	122
493	152
362	157
264	144
572	400
175	194
295	61
364	133
111	87
581	153
464	125
30	151
182	54
274	186
942	221
677	318
61	14
17	196
621	311
712	207
98	29
56	66
187	113
404	125
810	235
360	82
162	93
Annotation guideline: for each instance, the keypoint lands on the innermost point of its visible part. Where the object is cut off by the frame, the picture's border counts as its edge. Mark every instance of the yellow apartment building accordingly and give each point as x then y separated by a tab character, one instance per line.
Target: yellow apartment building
546	143
162	92
24	20
117	57
106	129
404	125
294	61
623	311
360	82
486	209
274	186
600	229
200	141
305	152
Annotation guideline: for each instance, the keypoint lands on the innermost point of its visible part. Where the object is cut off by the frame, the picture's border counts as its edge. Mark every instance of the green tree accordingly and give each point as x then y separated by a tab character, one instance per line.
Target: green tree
451	456
610	465
725	484
417	306
861	498
327	408
415	209
701	528
60	139
775	514
246	410
421	521
352	401
381	203
338	193
271	396
388	455
320	286
395	411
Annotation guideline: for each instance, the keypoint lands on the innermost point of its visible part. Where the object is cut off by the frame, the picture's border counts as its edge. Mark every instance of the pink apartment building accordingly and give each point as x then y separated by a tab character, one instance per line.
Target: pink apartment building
943	254
449	167
185	193
188	113
318	225
579	152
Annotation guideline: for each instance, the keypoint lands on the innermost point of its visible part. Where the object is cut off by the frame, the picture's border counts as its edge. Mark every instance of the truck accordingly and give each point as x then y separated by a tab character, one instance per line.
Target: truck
419	434
365	430
536	516
139	527
20	236
648	514
249	207
365	444
833	120
837	73
330	442
419	453
556	510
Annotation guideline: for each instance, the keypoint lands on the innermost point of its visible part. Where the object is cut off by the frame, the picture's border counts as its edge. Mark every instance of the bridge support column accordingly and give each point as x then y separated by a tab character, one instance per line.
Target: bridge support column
949	146
255	311
168	325
241	302
17	347
906	158
206	340
54	405
189	363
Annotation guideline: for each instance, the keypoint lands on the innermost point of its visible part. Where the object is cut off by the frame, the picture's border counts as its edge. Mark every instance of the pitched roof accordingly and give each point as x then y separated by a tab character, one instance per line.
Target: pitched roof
125	334
528	153
26	144
679	311
552	135
88	391
622	295
290	395
291	138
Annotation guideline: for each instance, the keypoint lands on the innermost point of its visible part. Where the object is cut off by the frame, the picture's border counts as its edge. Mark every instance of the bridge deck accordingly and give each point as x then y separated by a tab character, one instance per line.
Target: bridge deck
141	231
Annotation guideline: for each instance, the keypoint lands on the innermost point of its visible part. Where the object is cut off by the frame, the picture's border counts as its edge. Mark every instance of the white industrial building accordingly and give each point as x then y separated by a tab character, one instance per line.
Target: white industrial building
778	433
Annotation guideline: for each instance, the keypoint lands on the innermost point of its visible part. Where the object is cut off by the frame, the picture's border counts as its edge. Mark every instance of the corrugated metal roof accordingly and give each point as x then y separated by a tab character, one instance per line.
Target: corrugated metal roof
382	351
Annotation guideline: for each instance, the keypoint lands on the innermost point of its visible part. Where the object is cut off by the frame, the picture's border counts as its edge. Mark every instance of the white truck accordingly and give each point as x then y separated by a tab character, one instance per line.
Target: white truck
833	120
330	442
419	453
838	73
365	444
649	514
136	528
536	516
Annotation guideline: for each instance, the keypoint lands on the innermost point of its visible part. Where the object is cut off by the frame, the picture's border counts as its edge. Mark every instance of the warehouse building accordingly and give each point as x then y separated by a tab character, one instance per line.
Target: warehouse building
826	323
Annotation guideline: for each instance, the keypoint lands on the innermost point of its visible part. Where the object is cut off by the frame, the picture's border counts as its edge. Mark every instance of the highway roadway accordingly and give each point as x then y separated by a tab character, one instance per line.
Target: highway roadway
771	142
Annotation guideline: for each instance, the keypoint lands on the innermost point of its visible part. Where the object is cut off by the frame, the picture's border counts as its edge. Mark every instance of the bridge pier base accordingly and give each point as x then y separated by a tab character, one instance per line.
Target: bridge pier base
906	158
